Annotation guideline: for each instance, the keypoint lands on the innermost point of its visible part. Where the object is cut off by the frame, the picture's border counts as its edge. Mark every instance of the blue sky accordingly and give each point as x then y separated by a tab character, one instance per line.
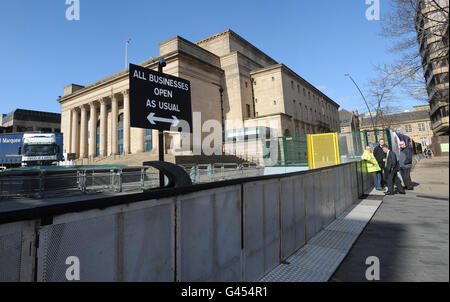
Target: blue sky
41	51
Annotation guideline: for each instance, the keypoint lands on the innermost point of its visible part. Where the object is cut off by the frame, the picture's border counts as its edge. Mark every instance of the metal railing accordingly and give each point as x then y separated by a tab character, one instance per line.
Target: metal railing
39	184
202	173
48	183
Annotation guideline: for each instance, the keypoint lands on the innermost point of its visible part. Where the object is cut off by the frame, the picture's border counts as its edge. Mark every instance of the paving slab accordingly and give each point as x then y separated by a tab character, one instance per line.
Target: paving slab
409	233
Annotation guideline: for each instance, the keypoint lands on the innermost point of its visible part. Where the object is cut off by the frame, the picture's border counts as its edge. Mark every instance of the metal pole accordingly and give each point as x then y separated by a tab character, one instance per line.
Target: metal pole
161	64
223	120
161	155
368	109
126	52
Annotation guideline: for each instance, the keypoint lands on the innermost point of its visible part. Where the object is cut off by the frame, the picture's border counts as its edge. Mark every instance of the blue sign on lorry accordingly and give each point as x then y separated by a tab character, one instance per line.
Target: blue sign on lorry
11	143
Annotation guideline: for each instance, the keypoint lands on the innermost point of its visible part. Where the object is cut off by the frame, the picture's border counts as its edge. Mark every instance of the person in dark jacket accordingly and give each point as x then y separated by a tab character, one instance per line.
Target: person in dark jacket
405	162
380	156
391	168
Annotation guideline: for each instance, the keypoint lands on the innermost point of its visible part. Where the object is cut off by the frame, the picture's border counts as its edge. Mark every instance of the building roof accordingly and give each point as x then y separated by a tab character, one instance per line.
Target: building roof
238	37
402	117
32	115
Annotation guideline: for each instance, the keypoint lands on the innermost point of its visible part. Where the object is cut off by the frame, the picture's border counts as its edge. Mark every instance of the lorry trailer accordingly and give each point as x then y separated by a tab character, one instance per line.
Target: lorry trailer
30	149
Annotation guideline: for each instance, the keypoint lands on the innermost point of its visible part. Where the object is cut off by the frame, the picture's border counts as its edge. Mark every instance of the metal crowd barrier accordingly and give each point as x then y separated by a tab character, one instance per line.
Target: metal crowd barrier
46	183
201	173
37	183
417	158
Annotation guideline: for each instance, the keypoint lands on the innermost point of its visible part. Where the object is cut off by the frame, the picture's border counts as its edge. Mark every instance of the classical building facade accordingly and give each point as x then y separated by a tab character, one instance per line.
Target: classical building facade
230	80
416	124
432	29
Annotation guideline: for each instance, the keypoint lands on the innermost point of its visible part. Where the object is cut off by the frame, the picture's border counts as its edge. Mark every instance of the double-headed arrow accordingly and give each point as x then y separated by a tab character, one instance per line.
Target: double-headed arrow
152	119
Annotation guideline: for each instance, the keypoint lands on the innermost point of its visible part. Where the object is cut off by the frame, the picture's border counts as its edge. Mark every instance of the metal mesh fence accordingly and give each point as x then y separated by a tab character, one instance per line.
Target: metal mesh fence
371	137
56	183
10	256
286	151
221	171
323	150
351	146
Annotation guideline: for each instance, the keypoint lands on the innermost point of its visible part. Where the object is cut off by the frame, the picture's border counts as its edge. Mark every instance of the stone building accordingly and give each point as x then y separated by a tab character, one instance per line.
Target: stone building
432	32
230	80
416	124
21	120
349	121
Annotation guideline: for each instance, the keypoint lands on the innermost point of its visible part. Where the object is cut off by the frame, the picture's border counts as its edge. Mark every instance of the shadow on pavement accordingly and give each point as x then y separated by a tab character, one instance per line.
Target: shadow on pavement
409	235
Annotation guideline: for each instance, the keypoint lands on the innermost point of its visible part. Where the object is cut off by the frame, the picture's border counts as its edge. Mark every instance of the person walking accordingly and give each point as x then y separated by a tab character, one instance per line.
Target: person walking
380	156
391	168
405	162
373	167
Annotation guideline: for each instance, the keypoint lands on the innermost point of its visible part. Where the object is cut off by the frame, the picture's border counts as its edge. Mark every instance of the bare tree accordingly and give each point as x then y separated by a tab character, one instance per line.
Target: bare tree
406	25
386	115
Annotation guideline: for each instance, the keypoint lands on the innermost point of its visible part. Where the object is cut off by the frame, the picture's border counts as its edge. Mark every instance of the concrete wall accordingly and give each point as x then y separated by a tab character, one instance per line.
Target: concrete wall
231	231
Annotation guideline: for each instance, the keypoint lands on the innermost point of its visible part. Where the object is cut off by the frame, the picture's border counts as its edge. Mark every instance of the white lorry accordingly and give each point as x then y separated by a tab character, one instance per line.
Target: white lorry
39	149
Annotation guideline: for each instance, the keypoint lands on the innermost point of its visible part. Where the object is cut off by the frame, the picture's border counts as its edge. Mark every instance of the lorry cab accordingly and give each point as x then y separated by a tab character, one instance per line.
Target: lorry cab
39	149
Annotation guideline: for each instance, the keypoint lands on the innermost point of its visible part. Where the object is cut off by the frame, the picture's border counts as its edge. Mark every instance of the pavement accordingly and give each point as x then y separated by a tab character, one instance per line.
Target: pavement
408	233
317	260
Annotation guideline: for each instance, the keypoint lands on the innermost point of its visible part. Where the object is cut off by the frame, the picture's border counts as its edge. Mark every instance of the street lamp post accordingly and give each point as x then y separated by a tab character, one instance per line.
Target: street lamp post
367	105
161	65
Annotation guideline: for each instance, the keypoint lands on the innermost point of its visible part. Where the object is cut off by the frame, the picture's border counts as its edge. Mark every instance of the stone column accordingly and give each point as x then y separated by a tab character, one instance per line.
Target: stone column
93	131
83	132
140	140
103	127
74	134
114	116
126	122
155	140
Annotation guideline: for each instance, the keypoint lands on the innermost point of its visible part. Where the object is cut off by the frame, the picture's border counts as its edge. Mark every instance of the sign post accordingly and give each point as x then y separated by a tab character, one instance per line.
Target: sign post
158	101
161	65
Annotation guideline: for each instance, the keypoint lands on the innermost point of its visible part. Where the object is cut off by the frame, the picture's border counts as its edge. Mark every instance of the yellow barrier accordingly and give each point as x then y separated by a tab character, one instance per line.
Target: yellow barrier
323	150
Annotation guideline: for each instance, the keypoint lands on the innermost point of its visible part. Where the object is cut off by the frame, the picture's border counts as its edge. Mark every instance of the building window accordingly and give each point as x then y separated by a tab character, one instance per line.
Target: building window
148	140
97	140
424	141
256	113
431	126
304	92
274	102
273	79
248	109
422	127
294	101
120	134
246	84
256	100
408	128
298	88
292	84
309	95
